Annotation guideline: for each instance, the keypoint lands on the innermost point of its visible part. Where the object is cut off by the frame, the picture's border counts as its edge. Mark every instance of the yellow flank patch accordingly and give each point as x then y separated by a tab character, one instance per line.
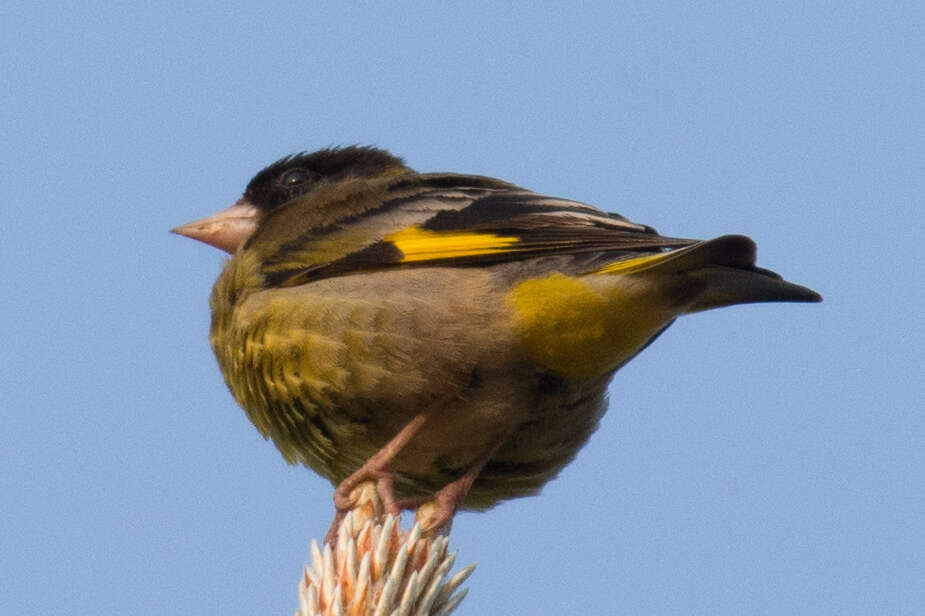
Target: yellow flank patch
580	330
630	266
418	244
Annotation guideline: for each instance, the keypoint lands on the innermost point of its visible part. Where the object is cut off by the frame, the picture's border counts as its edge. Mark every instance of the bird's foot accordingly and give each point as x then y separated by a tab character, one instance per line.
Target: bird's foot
436	515
375	469
347	496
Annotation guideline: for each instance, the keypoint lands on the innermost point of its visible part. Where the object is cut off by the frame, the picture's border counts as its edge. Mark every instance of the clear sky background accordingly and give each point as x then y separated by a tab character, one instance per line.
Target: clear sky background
755	460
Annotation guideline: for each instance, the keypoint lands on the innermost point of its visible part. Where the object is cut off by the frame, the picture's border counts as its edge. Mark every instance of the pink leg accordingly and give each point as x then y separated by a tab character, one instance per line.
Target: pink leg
451	496
376	468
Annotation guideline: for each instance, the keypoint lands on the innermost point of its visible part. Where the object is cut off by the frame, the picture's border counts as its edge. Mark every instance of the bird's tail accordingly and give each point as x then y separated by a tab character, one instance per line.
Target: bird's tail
714	273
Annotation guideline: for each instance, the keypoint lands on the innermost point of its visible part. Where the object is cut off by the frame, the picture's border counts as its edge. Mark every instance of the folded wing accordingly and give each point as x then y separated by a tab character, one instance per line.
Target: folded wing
453	221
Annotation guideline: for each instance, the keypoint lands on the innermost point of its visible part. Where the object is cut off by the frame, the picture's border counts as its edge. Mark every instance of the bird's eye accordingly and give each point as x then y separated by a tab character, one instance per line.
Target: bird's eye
293	178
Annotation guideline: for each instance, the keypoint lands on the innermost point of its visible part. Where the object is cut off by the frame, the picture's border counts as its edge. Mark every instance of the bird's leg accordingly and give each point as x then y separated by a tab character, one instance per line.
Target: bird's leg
376	469
437	514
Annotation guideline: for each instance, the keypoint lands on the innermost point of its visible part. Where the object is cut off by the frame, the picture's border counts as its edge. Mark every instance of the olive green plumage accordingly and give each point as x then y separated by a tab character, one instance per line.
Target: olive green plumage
361	293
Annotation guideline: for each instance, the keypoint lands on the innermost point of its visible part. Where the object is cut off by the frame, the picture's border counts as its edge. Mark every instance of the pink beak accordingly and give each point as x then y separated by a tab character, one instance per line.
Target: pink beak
225	230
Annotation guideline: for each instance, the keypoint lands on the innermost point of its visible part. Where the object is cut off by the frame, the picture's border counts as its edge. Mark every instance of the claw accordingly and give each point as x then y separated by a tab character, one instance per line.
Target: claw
434	513
376	469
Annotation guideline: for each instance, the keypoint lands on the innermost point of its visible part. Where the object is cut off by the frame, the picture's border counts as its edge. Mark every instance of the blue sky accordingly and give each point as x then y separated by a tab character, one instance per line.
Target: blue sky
760	459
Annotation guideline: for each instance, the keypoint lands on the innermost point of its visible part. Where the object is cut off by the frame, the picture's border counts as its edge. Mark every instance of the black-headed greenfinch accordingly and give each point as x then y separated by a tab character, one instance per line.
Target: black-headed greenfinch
462	327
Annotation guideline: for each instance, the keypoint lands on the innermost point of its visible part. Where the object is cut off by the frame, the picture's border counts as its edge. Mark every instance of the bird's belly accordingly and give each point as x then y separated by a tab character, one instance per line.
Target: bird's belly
332	370
541	422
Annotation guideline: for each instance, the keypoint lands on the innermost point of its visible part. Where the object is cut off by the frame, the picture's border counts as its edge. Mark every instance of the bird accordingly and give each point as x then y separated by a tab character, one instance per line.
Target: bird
449	336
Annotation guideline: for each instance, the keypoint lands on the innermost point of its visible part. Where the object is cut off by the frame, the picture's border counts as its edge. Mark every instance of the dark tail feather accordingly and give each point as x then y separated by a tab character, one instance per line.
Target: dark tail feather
722	272
725	286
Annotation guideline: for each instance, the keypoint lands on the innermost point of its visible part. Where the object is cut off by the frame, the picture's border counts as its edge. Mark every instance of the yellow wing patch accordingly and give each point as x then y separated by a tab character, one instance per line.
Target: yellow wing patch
418	244
631	266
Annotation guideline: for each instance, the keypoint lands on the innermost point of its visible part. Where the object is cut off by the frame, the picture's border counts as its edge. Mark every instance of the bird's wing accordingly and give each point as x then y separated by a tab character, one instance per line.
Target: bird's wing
452	221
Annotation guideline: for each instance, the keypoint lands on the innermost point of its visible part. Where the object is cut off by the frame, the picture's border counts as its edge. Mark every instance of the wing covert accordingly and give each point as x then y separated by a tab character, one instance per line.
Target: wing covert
452	221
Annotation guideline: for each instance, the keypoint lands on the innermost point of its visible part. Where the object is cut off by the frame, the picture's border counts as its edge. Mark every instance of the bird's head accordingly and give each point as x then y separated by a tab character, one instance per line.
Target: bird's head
287	179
